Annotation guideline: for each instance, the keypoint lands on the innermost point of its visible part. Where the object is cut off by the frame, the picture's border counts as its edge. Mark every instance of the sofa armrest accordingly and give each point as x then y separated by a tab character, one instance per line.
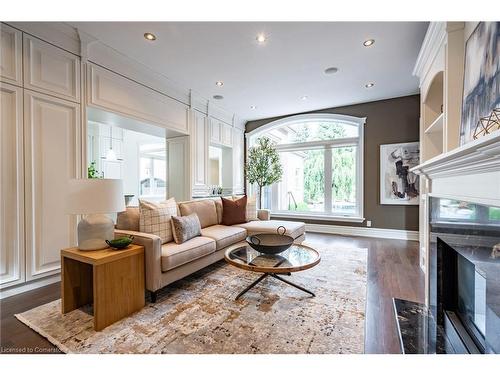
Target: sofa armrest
152	255
263	214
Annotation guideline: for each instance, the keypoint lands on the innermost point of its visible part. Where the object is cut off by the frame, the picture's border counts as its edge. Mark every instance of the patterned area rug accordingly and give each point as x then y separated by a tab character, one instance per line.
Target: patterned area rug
199	315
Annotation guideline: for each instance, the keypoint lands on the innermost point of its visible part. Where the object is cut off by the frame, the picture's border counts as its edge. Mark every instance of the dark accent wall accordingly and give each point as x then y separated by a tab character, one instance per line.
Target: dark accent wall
387	121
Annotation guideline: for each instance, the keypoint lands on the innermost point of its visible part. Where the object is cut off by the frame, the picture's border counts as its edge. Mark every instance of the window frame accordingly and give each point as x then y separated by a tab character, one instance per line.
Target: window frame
327	146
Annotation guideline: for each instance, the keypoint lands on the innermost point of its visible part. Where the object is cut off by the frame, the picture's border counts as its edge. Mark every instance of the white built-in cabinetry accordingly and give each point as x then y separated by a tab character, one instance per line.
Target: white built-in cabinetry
40	150
199	152
12	268
220	133
50	69
11	55
52	130
440	69
112	92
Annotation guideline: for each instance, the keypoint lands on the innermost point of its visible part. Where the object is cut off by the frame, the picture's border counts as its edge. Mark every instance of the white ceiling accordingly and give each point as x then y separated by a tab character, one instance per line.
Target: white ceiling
275	75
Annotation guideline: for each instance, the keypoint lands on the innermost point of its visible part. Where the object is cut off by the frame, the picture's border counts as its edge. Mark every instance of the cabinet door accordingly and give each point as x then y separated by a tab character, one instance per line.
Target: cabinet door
199	152
11	55
238	161
215	130
52	131
115	93
227	135
51	70
11	186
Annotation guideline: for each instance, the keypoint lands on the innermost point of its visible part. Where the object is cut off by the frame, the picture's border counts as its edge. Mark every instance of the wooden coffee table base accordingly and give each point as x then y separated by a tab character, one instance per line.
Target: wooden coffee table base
276	277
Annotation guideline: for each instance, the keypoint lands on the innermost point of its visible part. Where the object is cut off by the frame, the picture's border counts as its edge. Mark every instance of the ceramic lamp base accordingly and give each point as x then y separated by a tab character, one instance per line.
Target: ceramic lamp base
93	231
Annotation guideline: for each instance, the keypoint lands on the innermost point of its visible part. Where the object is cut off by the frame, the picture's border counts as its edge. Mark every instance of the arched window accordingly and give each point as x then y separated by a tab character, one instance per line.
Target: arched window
322	159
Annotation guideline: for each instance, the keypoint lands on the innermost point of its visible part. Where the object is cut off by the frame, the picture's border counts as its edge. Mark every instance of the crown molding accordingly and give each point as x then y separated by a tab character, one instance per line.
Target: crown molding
433	40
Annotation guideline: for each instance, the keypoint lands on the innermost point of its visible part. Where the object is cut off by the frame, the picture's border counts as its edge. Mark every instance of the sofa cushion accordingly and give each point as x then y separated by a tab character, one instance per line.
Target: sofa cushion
224	235
174	255
128	219
205	209
185	227
293	228
234	212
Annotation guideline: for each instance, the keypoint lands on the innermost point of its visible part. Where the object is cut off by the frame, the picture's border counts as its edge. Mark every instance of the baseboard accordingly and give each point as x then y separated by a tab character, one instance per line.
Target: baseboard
397	234
25	287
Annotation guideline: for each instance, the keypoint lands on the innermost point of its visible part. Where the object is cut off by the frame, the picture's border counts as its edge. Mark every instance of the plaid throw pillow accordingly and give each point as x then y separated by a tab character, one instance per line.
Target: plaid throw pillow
155	217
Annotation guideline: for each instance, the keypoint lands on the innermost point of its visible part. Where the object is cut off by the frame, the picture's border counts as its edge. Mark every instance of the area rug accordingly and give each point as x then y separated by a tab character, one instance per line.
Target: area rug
199	314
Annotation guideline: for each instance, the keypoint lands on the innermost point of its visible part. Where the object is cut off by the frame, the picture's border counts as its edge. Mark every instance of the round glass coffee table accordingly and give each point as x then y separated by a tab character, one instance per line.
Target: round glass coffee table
296	258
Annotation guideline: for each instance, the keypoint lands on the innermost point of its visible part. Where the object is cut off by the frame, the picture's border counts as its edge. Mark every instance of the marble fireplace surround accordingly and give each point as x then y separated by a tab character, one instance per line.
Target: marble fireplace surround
469	173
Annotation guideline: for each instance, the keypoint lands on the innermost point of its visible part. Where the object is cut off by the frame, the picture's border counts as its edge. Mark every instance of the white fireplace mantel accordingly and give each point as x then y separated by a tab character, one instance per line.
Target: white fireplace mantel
470	172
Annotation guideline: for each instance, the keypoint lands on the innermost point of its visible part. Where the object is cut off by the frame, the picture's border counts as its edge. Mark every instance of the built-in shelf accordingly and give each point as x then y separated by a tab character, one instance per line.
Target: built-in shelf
436	125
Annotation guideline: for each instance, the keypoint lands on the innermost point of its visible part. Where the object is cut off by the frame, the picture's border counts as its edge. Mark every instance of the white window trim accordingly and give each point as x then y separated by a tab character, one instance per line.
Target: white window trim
359	141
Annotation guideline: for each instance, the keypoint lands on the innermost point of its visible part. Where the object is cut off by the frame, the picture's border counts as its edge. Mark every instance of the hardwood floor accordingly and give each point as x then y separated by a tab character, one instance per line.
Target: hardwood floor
393	271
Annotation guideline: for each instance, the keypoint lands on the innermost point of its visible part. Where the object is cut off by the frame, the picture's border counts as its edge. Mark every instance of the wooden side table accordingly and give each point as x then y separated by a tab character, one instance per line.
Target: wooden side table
113	280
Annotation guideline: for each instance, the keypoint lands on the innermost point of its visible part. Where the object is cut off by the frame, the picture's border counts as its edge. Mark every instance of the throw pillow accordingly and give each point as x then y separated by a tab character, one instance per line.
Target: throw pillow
234	212
128	219
251	210
185	227
154	218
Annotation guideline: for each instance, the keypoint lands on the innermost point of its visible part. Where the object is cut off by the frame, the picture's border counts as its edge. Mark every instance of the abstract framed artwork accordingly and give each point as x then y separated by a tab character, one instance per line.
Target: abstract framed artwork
481	94
397	184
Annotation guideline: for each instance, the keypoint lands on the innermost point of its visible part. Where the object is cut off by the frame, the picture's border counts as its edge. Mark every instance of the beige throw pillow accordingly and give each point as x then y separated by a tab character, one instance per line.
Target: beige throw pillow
155	217
251	210
185	227
128	219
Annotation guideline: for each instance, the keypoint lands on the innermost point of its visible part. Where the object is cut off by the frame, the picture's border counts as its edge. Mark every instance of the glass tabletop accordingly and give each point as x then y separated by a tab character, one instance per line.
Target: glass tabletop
295	258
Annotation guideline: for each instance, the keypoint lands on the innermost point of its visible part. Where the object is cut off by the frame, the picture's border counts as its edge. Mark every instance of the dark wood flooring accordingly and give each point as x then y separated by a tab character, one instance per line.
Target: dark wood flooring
393	271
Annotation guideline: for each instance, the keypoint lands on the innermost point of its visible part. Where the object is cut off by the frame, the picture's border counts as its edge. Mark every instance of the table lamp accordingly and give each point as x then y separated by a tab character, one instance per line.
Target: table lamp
94	198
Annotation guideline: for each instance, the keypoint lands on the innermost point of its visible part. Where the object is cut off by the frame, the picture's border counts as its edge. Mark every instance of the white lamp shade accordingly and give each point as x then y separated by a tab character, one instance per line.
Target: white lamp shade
95	196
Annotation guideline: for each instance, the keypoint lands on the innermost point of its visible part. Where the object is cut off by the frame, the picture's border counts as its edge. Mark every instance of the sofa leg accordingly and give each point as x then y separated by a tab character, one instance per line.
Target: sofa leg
153	295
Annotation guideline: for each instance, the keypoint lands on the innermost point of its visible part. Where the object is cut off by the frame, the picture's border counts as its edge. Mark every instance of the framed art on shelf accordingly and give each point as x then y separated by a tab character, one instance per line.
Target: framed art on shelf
397	184
481	94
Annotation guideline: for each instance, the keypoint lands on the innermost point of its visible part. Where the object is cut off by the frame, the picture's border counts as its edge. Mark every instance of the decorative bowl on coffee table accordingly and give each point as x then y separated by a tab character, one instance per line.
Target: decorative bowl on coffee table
270	243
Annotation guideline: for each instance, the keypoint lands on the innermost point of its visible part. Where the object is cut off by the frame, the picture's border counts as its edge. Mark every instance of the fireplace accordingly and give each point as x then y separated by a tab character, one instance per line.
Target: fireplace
463	314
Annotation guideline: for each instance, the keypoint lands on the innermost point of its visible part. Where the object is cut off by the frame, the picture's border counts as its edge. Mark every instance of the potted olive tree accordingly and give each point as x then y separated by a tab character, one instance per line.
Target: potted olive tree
263	167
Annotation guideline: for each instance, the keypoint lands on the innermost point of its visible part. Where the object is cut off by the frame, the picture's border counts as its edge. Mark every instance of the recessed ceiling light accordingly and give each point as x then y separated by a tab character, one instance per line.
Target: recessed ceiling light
253	107
303	97
219	83
369	42
261	38
368	85
150	36
331	70
218	97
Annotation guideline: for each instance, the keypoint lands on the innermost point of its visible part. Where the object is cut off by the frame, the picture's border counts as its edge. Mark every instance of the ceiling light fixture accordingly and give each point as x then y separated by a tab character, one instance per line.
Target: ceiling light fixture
218	97
261	38
303	97
368	85
150	36
219	83
369	42
331	70
253	107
